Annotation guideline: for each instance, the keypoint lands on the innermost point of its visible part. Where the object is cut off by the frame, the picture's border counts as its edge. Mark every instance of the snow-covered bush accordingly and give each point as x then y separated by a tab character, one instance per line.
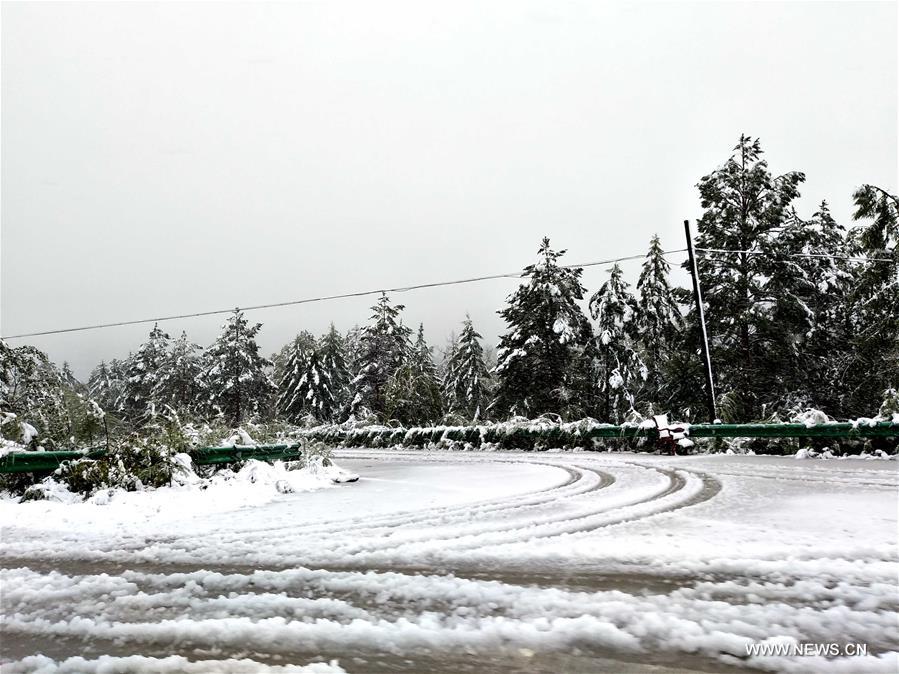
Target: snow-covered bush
132	464
889	409
518	434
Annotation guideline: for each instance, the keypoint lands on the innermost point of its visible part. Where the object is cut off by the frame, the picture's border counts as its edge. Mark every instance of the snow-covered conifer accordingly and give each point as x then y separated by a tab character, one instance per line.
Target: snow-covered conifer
180	380
466	379
142	372
290	366
621	372
237	383
334	363
70	380
744	208
106	383
874	362
543	361
413	394
32	389
313	395
384	346
807	288
658	320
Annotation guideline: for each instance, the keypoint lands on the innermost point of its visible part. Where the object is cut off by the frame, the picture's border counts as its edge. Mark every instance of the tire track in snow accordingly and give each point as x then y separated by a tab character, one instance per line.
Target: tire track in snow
607	516
710	488
463	514
572	484
428	548
376	540
581	481
761	475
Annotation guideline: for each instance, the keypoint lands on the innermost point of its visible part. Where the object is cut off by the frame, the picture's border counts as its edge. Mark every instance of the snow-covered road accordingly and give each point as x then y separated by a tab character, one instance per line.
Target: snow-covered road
477	562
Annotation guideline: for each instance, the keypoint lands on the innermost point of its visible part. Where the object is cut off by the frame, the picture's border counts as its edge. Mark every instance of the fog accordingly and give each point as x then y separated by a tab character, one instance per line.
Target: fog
169	158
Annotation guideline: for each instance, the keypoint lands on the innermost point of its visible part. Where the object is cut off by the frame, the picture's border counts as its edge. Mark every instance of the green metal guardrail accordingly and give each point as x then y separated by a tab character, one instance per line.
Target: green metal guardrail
846	430
27	462
31	462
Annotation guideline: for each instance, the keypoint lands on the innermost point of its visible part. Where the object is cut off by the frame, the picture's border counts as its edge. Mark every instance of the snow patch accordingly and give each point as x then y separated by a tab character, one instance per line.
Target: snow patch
174	664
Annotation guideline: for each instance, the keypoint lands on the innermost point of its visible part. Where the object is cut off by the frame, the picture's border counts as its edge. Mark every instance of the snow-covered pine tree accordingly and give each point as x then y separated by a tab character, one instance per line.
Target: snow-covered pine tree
466	380
142	371
744	208
621	372
304	339
352	348
237	384
384	346
445	372
313	394
287	404
315	378
106	383
70	380
658	321
180	382
31	389
874	366
543	360
334	363
413	393
808	311
293	358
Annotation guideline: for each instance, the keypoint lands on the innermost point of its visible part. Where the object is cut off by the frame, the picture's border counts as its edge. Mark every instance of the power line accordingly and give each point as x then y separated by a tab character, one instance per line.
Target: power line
326	298
420	286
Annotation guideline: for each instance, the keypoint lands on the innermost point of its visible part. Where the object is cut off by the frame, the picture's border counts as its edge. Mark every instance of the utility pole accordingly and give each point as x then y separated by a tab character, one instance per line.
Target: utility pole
237	362
706	357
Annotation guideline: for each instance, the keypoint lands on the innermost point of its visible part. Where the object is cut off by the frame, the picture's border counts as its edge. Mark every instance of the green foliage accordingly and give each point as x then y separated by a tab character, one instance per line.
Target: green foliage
290	366
750	338
21	484
658	324
142	372
545	357
466	380
132	464
871	362
106	383
180	384
332	350
731	407
889	408
620	370
413	392
384	347
237	381
32	389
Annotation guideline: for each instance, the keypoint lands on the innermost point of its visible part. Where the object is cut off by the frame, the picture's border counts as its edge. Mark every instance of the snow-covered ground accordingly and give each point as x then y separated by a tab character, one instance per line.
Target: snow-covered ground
469	562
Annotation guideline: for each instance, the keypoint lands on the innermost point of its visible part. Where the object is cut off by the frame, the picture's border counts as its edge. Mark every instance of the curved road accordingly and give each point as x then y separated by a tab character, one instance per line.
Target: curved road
475	562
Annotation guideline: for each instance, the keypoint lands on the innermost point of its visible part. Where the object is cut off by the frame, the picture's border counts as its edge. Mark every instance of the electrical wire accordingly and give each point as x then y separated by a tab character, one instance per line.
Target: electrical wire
326	298
421	286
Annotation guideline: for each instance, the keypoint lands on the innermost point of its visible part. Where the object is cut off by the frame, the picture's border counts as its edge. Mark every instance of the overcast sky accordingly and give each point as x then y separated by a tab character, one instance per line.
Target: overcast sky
167	158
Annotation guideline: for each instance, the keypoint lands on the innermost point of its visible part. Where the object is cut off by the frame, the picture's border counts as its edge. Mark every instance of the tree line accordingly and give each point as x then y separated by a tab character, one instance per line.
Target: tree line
801	312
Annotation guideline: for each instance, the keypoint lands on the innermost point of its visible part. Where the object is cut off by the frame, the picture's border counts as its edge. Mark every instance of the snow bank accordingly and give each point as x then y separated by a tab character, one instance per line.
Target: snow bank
255	483
174	664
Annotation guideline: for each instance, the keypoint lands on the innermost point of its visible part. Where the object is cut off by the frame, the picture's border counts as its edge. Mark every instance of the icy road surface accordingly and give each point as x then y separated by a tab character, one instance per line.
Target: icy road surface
480	562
